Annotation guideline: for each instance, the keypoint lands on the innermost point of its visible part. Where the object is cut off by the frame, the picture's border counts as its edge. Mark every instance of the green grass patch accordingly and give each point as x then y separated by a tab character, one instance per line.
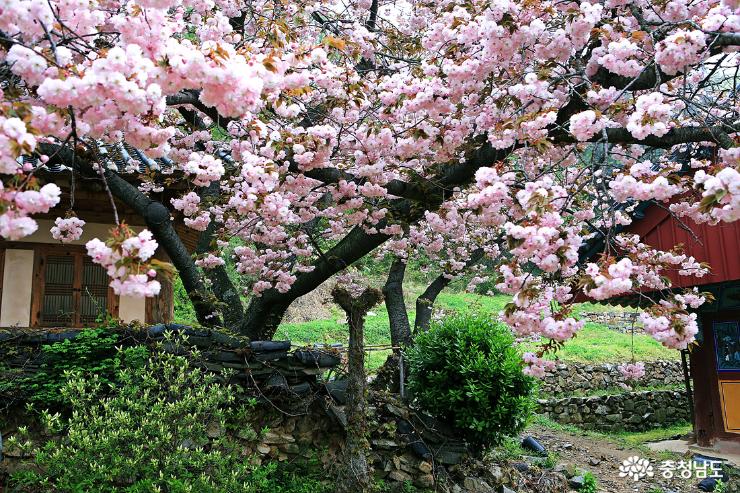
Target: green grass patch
377	332
596	344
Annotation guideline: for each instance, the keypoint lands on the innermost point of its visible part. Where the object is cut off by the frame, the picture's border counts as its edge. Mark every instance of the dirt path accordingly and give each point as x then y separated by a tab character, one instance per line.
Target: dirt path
603	459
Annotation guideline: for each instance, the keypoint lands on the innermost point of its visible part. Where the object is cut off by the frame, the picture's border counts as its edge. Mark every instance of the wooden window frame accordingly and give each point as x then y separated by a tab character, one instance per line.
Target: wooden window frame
41	252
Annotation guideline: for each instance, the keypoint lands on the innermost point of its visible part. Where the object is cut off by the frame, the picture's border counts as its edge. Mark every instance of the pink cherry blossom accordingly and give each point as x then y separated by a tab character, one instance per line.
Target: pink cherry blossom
650	116
585	125
67	229
632	371
680	50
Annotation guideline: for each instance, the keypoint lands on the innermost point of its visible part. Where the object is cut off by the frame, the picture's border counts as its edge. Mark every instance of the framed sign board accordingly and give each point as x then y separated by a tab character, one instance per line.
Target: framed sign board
727	346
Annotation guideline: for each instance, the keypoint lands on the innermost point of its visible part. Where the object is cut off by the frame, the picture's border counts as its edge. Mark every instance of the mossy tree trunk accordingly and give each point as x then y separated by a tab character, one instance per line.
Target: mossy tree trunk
355	476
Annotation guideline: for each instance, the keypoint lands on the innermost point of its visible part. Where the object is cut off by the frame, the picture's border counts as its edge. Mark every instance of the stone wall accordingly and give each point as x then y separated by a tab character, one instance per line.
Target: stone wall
631	411
584	378
621	321
403	449
271	366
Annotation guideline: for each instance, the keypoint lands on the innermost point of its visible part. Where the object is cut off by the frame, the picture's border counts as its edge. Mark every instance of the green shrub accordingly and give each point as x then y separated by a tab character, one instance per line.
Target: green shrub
161	429
590	485
466	371
92	352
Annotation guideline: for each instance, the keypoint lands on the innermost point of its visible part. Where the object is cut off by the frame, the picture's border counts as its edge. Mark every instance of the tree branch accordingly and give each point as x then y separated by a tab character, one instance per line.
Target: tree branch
425	301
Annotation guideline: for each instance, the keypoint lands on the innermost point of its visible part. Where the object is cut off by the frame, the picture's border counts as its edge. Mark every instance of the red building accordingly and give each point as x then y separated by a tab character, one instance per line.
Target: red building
713	366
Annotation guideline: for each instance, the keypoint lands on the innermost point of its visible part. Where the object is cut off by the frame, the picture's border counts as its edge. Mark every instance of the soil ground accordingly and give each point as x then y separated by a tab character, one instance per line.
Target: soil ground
603	458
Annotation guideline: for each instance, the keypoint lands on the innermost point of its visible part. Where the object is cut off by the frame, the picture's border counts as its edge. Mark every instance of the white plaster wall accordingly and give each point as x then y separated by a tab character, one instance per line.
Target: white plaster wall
15	307
130	309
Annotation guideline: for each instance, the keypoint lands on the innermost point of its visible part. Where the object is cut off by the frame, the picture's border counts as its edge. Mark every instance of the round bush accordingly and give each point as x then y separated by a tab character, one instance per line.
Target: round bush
466	372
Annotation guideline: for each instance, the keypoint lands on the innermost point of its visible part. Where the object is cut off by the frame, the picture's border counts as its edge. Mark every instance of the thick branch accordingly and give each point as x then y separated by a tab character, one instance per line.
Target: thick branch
722	40
652	76
681	135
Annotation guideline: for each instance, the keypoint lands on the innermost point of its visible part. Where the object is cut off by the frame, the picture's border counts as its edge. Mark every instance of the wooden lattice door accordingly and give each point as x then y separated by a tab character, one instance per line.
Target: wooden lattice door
71	291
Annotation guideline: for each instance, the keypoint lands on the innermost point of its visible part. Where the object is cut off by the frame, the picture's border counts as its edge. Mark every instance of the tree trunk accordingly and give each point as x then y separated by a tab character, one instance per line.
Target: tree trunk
262	318
395	305
425	301
230	302
355	477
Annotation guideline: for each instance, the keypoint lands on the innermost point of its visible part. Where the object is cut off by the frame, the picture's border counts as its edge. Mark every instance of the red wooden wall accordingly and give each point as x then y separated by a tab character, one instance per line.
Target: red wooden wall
718	245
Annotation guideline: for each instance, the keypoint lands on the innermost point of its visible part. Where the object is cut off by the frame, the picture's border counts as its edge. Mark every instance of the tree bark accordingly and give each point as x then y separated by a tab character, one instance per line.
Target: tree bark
395	305
355	477
425	301
230	302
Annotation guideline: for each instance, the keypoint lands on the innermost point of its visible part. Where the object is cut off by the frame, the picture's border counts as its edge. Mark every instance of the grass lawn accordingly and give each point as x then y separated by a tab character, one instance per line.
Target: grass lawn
594	344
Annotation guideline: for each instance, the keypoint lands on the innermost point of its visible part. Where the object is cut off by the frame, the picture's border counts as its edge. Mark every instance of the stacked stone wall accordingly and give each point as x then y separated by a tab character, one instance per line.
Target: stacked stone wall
584	378
630	411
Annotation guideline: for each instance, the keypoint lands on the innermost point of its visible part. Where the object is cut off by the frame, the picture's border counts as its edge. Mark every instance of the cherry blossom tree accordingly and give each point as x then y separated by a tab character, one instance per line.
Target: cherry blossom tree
316	133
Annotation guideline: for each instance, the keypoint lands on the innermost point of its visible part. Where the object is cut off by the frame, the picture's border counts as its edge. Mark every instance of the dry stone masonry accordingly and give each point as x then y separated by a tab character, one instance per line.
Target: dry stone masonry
584	378
631	411
621	321
566	399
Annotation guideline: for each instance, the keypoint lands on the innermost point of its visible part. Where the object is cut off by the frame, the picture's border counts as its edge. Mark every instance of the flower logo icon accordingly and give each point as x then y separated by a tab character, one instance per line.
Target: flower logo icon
636	468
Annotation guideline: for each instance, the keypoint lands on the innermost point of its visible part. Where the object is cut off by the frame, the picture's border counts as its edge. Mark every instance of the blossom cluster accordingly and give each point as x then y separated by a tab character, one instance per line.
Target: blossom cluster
680	50
536	366
722	189
67	229
15	139
651	116
205	167
615	281
585	125
15	221
126	258
673	330
632	371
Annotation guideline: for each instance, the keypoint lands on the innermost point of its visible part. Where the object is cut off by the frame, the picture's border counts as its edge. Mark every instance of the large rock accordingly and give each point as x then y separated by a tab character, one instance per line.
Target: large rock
477	485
